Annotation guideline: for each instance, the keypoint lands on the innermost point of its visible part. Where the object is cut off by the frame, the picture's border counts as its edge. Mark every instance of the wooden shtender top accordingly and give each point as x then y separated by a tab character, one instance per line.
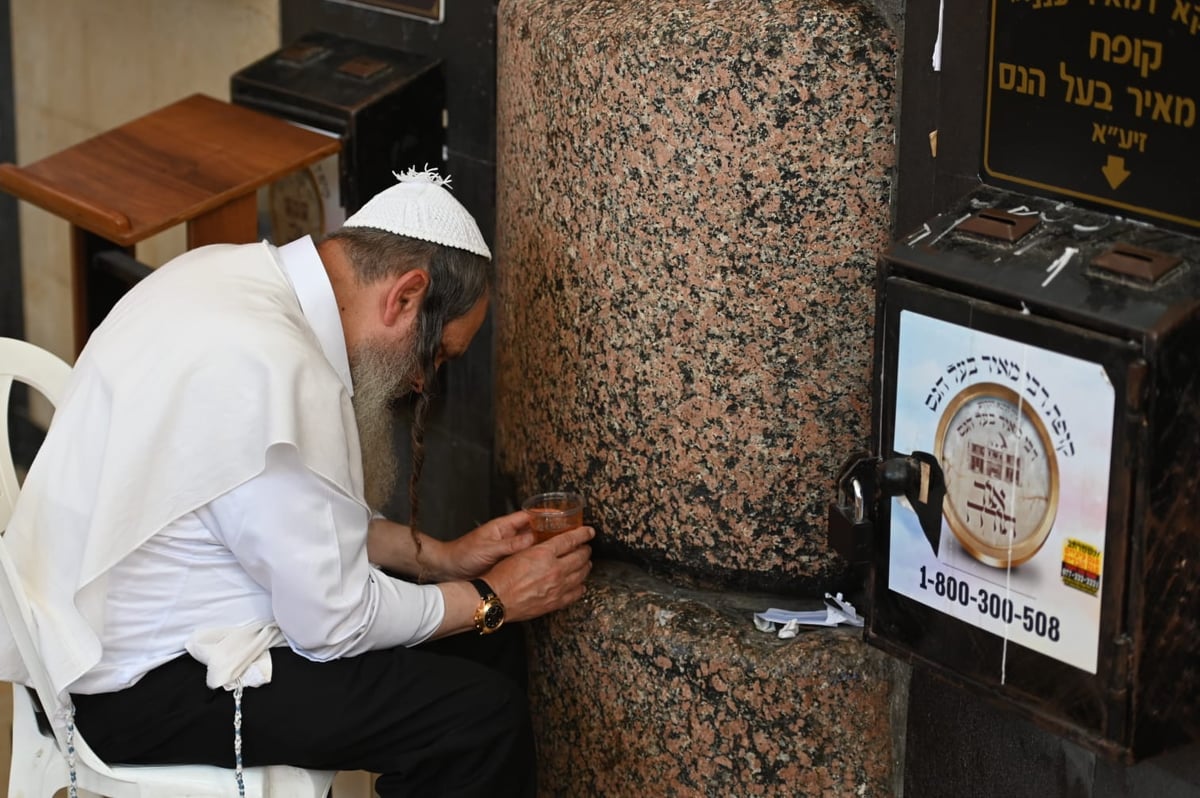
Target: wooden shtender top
165	168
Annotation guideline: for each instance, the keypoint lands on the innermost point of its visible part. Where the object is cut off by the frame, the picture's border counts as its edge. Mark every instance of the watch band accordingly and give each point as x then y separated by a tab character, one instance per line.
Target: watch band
490	614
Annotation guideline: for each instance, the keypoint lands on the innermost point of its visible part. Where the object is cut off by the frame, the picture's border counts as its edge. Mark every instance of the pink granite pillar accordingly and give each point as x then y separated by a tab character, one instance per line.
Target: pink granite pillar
691	196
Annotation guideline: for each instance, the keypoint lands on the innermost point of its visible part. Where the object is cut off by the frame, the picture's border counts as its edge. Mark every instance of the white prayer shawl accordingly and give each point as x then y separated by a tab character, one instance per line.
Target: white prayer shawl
176	399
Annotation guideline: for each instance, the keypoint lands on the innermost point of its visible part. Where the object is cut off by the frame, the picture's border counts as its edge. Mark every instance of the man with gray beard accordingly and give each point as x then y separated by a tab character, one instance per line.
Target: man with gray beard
201	527
380	376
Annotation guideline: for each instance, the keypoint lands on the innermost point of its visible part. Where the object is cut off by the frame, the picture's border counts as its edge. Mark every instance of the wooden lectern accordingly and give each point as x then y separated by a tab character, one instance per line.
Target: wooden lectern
198	161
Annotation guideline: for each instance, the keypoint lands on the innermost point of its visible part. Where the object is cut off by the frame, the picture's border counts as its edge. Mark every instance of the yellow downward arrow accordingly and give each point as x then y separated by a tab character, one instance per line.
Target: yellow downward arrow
1115	171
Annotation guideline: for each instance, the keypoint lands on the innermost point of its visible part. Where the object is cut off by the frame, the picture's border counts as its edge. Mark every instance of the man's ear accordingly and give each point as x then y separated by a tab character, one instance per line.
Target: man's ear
404	295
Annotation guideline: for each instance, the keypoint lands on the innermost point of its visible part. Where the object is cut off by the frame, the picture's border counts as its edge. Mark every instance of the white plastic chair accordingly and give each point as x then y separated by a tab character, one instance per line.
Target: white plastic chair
39	765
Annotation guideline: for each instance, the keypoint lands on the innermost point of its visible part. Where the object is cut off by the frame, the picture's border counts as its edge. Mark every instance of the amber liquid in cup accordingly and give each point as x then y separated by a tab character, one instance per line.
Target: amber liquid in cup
553	513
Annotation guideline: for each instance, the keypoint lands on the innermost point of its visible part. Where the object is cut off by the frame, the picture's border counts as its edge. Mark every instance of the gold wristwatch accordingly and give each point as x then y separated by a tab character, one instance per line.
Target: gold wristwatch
490	615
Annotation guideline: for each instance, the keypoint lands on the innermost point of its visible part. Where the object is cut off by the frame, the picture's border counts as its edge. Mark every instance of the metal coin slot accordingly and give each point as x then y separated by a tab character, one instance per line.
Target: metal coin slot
363	67
998	224
1146	265
301	53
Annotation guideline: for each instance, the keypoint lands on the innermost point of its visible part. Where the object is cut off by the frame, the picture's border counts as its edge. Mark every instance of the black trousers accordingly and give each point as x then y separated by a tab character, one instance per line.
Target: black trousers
430	720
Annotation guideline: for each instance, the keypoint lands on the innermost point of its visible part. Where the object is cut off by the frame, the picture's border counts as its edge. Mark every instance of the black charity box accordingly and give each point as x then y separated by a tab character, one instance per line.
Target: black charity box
385	105
1047	359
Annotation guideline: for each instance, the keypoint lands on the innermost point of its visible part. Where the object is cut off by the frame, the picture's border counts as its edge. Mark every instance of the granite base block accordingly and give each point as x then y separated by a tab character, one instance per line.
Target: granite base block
647	689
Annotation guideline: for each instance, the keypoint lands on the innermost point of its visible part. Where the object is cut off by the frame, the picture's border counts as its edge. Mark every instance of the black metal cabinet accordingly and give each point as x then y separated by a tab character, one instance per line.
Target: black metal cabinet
1047	358
385	105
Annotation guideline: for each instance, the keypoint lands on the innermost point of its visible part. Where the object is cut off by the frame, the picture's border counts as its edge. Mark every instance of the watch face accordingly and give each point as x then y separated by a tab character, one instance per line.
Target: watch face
1001	474
493	615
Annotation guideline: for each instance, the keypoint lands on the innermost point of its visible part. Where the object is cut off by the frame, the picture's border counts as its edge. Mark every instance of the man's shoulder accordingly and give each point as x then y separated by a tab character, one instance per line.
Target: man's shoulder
210	308
214	262
217	287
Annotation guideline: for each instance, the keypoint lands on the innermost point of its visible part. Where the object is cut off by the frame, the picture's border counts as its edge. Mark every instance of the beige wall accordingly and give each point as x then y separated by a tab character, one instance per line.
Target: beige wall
81	67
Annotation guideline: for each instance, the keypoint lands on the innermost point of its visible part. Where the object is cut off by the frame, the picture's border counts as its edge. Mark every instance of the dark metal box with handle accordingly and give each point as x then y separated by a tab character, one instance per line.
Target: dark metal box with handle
1055	380
1030	509
385	105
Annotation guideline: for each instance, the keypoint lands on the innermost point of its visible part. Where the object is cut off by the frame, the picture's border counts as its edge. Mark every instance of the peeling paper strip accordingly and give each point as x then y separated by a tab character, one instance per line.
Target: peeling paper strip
937	44
1059	264
950	229
924	232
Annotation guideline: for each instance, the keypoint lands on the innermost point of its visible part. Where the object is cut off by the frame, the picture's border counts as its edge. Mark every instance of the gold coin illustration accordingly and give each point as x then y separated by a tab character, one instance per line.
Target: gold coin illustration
1001	474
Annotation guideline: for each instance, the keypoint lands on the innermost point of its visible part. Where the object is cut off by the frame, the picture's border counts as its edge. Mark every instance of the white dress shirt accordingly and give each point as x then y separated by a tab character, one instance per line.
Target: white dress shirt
285	546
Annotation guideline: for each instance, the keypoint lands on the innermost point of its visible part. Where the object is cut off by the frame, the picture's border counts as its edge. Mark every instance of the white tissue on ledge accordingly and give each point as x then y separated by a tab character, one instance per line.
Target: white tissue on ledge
837	611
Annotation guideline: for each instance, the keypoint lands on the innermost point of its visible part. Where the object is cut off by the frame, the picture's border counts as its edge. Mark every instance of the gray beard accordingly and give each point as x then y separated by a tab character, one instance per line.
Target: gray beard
380	374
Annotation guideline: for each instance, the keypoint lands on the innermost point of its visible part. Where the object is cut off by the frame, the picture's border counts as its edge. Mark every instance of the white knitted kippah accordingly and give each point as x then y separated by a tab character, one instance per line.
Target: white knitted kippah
419	206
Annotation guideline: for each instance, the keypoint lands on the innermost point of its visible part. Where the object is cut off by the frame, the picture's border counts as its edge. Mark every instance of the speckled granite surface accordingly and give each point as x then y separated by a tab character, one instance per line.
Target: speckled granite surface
691	195
643	690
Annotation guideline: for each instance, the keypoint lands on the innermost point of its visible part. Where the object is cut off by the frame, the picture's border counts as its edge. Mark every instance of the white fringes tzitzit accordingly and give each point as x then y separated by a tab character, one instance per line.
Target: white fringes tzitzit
428	175
73	787
237	740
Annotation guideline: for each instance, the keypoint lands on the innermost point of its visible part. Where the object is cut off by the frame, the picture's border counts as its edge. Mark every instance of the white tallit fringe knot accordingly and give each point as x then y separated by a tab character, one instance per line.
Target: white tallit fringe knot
237	658
73	787
237	741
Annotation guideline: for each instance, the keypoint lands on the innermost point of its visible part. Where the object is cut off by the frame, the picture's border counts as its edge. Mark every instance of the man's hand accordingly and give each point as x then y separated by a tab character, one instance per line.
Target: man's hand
545	577
531	581
394	547
475	552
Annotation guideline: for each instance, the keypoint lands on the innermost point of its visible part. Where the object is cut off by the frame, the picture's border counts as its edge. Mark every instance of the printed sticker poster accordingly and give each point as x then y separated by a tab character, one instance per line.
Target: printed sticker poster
1024	438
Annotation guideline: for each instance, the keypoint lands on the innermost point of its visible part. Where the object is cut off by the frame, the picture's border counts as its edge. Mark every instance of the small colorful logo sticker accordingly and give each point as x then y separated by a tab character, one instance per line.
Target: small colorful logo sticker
1081	566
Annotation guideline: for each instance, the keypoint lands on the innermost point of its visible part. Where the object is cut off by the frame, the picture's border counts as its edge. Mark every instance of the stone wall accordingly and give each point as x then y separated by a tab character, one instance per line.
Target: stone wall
691	196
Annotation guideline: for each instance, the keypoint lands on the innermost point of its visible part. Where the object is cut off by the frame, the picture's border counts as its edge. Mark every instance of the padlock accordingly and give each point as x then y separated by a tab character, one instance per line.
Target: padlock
850	527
